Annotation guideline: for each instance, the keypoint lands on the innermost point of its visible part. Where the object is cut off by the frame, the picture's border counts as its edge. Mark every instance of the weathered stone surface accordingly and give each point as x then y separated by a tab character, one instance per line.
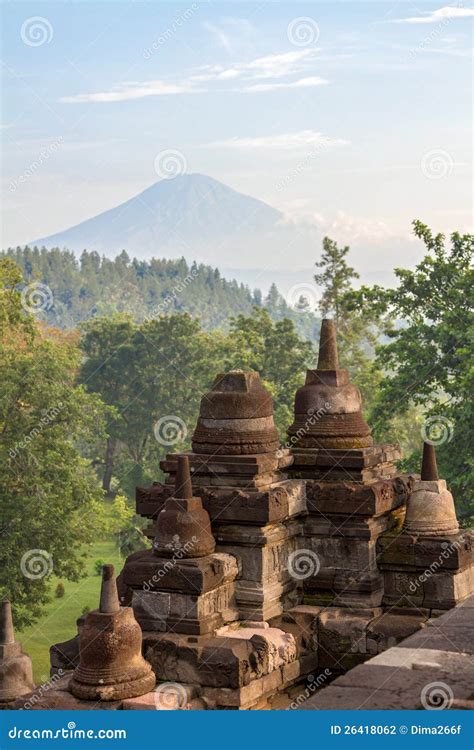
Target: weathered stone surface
111	666
328	408
183	523
16	670
174	611
426	589
143	570
277	646
351	499
236	417
430	669
55	696
430	510
343	631
284	500
390	628
302	622
221	662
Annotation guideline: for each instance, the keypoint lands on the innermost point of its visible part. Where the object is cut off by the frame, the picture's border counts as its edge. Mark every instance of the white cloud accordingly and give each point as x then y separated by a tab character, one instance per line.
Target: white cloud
269	66
299	84
302	140
131	90
447	13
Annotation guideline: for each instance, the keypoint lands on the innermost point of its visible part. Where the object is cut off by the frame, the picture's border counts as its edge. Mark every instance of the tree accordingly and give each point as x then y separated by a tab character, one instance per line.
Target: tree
335	277
428	359
49	496
153	374
358	329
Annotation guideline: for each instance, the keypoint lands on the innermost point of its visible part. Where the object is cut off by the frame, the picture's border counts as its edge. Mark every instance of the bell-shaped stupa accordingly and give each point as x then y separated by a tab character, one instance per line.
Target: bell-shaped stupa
111	666
16	671
183	525
236	417
328	407
430	505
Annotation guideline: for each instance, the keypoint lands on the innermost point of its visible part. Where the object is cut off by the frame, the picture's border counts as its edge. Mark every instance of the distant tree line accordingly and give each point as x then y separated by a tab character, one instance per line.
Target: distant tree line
95	286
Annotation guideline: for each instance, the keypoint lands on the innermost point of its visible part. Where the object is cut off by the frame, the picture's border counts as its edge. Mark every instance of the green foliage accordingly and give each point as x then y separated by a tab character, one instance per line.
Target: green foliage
358	328
59	590
98	286
49	498
98	565
428	359
276	352
154	374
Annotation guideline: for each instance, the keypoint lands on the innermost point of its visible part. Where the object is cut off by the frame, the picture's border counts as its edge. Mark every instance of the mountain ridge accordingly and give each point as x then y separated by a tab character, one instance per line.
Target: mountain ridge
173	216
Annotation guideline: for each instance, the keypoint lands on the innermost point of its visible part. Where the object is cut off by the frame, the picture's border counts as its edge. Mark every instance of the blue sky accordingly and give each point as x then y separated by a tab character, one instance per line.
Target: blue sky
355	116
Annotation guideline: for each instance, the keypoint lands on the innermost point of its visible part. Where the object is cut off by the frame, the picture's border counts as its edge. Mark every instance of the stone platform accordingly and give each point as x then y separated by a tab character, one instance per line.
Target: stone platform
431	669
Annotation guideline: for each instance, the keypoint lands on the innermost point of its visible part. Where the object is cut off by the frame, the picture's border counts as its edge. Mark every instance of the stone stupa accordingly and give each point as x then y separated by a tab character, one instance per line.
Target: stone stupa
111	666
329	438
16	671
430	505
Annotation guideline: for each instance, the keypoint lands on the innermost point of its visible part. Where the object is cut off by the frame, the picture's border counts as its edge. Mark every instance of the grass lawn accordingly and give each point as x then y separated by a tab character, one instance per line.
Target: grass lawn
59	620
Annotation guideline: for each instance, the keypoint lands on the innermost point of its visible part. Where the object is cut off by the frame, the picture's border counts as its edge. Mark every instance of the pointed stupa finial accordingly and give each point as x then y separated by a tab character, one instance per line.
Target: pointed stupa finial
109	601
328	357
183	488
429	468
7	634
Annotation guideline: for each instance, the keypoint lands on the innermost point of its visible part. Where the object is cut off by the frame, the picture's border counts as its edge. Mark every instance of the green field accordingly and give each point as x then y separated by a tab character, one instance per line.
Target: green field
59	620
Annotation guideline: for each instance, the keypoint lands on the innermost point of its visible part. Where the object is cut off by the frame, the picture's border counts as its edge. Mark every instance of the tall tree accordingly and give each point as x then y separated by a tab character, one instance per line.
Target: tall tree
49	495
428	361
358	329
335	278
